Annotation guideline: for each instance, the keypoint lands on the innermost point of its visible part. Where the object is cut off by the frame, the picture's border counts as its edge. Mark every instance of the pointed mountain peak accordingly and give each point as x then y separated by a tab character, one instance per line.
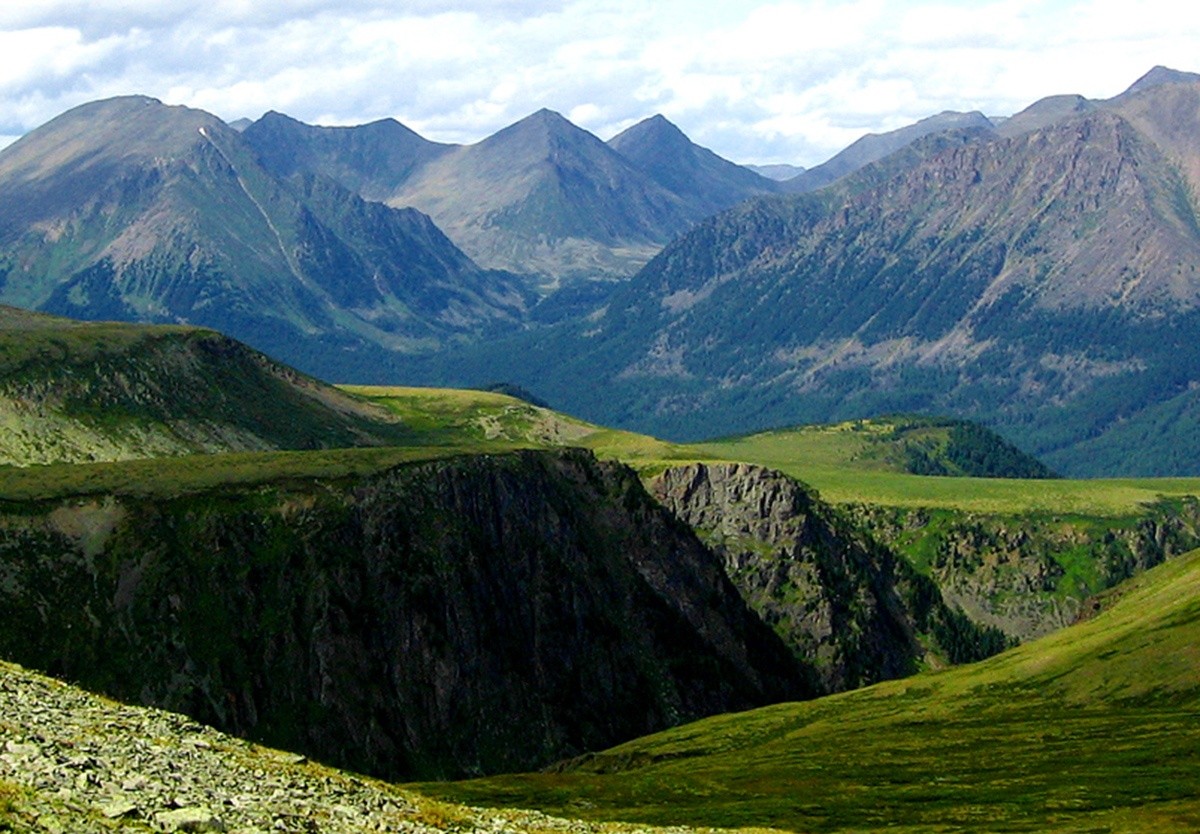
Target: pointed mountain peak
1159	76
656	130
544	120
537	132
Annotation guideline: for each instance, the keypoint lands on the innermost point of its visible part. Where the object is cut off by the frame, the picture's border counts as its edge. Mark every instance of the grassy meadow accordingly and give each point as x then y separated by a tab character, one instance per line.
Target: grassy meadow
857	462
1093	728
196	473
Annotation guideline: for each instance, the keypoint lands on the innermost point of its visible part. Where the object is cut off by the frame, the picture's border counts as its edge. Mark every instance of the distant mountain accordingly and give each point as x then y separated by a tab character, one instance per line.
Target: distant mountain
875	146
706	181
372	160
1159	76
128	209
74	391
777	171
1045	284
1043	113
546	197
541	196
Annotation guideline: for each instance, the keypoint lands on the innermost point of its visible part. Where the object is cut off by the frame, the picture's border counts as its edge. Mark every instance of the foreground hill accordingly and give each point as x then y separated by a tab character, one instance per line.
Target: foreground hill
75	391
1089	729
128	209
77	762
1044	283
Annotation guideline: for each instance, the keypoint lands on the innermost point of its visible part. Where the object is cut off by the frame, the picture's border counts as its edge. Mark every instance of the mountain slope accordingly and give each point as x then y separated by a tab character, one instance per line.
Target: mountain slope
1045	284
875	146
128	209
1092	728
372	160
73	391
706	181
547	197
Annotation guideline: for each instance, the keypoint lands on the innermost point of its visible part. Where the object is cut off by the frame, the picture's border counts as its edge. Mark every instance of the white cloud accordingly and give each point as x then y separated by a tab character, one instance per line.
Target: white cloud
790	80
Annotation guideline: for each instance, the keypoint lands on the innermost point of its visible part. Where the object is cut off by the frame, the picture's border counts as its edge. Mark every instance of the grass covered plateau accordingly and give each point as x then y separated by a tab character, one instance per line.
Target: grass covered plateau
857	462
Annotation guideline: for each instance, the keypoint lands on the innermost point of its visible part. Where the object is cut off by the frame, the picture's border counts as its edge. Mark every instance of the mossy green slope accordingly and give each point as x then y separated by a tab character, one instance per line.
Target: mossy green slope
73	391
1093	728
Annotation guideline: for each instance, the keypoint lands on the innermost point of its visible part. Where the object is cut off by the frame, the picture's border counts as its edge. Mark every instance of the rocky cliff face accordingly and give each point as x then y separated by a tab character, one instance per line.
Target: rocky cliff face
463	616
838	598
1031	575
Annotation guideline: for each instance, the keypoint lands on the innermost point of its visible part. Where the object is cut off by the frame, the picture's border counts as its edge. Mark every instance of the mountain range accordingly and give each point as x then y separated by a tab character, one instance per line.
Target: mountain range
129	209
540	197
1035	273
1044	282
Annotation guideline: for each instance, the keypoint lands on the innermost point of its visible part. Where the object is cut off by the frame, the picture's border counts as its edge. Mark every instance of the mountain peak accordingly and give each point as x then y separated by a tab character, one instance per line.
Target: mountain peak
663	151
105	132
1159	76
656	130
537	134
545	117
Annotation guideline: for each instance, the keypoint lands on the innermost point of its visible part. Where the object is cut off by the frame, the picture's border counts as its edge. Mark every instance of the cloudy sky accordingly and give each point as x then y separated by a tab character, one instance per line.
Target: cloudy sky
755	81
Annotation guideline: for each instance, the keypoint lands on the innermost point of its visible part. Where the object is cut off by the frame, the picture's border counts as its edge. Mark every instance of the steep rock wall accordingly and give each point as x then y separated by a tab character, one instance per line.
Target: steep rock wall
838	598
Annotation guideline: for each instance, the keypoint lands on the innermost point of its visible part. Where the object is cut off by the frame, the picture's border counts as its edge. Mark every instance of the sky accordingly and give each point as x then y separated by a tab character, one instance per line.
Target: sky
757	82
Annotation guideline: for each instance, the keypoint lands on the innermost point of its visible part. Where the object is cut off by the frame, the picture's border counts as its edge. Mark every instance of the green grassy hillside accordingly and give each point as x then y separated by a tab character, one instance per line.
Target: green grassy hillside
87	391
857	462
1090	729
